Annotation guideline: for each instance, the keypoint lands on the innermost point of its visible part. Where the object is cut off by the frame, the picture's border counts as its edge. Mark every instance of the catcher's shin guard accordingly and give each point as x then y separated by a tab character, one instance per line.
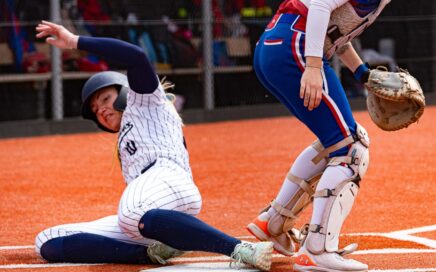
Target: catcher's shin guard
326	236
320	247
279	227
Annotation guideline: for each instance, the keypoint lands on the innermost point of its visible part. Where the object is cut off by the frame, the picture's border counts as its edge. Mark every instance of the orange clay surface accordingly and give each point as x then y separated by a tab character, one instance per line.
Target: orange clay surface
239	167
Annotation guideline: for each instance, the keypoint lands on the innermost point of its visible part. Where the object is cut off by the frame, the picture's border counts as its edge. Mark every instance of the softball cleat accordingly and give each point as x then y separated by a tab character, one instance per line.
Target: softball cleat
159	253
304	261
259	228
258	255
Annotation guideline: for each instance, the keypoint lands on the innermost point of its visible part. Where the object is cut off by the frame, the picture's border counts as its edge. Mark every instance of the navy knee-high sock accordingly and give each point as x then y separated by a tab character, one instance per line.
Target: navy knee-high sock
91	248
185	232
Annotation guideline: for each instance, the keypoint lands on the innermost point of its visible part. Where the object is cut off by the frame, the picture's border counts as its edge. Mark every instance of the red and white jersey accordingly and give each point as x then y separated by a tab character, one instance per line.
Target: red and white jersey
317	14
151	133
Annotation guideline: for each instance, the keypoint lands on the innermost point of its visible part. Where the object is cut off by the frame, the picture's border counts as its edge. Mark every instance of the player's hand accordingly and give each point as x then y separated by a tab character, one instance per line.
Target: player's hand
311	87
59	35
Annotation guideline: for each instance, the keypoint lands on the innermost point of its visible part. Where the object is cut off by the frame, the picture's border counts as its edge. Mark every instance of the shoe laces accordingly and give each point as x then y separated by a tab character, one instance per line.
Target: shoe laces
155	251
240	255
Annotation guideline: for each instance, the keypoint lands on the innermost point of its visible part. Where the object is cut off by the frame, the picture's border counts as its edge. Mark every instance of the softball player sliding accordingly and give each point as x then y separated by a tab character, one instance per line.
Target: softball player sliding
156	217
291	61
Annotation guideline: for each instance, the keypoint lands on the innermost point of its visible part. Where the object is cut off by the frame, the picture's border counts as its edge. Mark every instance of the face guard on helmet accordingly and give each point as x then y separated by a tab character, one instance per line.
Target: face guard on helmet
96	83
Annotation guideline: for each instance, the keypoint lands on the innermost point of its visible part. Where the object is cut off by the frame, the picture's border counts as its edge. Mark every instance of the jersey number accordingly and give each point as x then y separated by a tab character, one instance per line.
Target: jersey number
131	147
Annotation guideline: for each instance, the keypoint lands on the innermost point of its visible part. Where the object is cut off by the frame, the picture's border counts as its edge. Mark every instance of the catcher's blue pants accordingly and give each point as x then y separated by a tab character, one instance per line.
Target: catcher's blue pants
279	64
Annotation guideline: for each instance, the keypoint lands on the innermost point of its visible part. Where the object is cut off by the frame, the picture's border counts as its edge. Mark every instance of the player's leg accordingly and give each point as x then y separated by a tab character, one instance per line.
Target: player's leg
334	125
332	121
276	222
334	198
162	203
335	195
319	250
100	241
347	153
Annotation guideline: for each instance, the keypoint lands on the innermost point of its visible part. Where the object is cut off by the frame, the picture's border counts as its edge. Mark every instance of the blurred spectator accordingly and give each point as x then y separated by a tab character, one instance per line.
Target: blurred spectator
182	51
26	57
92	12
252	8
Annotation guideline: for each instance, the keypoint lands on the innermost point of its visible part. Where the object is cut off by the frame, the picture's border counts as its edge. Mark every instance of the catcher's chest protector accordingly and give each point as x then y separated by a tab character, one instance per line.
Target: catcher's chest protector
345	24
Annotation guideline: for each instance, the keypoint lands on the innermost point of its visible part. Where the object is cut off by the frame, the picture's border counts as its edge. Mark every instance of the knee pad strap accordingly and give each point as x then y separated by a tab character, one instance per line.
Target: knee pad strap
360	136
358	155
284	220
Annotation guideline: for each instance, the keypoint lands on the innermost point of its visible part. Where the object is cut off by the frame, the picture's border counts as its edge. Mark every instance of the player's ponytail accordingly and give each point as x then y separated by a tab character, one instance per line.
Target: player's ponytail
168	86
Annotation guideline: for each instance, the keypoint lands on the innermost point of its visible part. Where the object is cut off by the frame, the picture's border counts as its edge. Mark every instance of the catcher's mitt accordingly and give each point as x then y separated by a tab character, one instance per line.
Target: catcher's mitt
395	99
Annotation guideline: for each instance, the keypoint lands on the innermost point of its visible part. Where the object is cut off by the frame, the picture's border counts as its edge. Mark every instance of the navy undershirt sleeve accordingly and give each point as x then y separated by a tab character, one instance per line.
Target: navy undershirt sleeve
140	73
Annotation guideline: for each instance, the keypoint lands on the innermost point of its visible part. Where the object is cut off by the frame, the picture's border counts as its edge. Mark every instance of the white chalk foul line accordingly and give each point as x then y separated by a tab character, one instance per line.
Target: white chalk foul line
416	239
224	267
193	267
404	235
15	247
394	251
405	270
226	259
46	265
416	230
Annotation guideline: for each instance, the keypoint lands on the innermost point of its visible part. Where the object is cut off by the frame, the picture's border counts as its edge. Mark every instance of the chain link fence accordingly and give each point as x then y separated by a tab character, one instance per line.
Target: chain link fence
207	52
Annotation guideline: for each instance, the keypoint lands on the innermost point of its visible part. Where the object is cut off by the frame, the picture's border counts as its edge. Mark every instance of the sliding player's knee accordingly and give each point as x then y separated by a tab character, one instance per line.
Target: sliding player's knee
52	250
129	221
41	242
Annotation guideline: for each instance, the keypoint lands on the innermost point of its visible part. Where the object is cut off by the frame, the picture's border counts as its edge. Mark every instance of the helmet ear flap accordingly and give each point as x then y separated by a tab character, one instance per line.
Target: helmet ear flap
97	82
121	100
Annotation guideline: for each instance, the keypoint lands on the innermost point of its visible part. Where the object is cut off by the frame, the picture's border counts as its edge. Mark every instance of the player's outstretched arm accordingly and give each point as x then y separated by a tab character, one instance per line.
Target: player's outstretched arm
141	75
57	35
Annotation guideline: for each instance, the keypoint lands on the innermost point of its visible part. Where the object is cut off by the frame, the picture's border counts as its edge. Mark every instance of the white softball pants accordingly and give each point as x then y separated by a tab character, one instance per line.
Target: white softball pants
160	187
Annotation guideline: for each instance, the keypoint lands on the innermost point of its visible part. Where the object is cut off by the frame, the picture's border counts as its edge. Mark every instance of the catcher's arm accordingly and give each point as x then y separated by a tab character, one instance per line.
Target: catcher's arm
349	57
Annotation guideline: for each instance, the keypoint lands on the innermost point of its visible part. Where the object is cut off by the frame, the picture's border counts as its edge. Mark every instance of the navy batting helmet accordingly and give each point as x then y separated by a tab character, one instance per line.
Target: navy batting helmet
99	81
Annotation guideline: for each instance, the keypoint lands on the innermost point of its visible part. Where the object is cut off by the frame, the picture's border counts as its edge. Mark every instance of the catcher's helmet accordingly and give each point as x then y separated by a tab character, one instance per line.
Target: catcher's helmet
99	81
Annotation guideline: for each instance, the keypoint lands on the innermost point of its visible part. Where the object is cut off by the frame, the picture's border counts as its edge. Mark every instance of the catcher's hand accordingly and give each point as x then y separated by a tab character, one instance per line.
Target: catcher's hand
395	99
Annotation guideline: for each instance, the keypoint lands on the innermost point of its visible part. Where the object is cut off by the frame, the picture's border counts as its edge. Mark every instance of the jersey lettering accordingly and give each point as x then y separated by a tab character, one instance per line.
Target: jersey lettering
131	147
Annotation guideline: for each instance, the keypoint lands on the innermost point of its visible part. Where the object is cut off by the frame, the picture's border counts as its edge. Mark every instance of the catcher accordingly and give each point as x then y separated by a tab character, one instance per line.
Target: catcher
291	61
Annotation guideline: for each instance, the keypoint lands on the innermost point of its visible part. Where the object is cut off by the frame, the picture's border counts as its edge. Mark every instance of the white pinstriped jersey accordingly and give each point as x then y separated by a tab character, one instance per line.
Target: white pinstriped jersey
151	131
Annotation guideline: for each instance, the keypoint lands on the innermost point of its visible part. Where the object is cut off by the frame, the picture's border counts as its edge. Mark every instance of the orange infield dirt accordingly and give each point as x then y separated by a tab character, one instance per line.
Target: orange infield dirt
239	167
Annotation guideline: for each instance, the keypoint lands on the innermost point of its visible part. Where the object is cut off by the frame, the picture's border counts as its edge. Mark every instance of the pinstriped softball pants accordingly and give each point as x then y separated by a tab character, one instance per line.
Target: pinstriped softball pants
160	187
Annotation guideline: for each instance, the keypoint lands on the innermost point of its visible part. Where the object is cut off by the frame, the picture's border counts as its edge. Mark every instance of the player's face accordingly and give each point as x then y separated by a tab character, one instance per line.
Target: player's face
102	104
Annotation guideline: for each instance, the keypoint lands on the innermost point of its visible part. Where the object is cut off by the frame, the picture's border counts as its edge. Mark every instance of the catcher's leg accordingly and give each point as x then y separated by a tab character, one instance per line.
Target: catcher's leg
275	223
334	199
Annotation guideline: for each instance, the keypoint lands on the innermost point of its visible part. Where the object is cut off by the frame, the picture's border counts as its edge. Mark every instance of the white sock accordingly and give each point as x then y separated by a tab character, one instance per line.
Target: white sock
331	178
304	168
